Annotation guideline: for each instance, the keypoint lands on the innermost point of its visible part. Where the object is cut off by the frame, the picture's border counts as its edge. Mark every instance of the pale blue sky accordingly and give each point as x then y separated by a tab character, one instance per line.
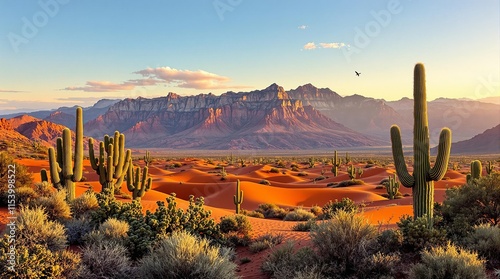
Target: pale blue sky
81	51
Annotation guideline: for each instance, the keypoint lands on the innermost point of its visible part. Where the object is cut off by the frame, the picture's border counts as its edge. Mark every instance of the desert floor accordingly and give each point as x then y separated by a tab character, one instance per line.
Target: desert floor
199	178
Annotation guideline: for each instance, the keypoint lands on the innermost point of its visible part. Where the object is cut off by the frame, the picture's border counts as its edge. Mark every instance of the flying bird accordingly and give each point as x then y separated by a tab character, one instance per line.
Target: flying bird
357	73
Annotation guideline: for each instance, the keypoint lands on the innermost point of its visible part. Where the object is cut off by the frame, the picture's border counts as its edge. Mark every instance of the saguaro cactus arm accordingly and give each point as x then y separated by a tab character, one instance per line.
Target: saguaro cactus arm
238	198
439	170
399	161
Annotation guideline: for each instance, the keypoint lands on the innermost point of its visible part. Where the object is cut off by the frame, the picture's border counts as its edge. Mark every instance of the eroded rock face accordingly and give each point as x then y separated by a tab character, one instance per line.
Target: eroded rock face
267	118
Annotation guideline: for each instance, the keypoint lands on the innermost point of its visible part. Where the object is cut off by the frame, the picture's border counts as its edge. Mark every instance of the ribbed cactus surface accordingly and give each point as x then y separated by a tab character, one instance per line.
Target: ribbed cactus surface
63	172
238	198
422	179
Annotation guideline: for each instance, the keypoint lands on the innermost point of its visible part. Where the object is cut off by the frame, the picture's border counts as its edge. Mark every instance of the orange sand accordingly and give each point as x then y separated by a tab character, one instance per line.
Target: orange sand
198	178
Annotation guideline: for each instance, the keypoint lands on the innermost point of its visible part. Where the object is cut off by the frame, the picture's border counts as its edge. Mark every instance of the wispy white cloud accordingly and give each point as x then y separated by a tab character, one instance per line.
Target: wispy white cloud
10	91
302	27
162	75
310	46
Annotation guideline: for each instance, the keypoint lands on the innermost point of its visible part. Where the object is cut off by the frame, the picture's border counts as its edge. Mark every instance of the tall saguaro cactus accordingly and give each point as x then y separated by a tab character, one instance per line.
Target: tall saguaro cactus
238	198
113	161
335	164
147	158
392	187
135	183
422	179
64	173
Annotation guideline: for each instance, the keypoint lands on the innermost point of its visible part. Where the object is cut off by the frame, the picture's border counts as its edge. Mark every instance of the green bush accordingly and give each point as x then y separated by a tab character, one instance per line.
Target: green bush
331	208
472	204
449	261
25	195
55	205
283	262
345	241
44	189
274	170
265	241
37	261
235	223
316	210
352	182
23	177
112	230
485	239
254	214
77	228
299	214
390	241
304	226
106	260
418	236
84	204
183	255
302	174
265	182
271	211
379	265
33	227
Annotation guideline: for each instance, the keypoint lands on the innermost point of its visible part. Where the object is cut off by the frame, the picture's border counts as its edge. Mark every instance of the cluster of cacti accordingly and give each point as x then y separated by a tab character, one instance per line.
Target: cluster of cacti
64	173
351	171
147	158
475	171
113	161
223	174
489	168
138	185
392	187
238	198
423	177
335	164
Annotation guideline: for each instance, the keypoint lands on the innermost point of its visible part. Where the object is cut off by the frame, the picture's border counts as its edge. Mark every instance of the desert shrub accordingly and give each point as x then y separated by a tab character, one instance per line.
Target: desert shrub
183	255
294	168
112	230
352	182
472	204
302	174
55	205
44	189
331	207
77	228
37	261
283	262
106	260
390	241
25	195
448	261
274	170
417	235
304	226
271	211
485	239
379	265
319	178
23	177
254	214
235	223
34	227
84	204
316	210
345	241
265	182
265	241
299	214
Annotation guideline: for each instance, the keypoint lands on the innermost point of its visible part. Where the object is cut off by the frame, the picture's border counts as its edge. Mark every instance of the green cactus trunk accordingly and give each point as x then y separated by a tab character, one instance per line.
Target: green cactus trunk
136	184
335	164
423	177
238	198
63	172
476	169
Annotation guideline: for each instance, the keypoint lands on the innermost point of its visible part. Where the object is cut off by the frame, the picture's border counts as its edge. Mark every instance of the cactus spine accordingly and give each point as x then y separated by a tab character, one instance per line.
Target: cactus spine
136	184
238	198
423	177
475	171
63	173
335	164
392	187
113	161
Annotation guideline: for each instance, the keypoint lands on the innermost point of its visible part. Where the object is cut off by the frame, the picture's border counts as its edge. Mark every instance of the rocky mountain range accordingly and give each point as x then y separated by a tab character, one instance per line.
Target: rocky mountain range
303	118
